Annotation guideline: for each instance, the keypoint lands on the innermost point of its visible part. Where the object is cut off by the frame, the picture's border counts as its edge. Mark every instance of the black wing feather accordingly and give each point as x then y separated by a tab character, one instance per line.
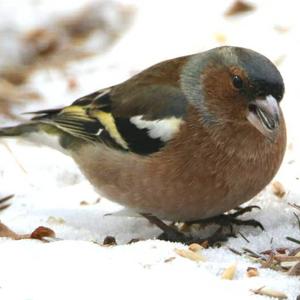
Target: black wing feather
105	116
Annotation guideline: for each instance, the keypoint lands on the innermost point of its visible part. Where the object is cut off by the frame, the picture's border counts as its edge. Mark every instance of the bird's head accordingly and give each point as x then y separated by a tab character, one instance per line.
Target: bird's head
231	84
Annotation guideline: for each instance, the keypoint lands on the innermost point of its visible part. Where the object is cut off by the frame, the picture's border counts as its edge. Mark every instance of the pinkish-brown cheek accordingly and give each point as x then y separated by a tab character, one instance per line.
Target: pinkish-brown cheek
217	84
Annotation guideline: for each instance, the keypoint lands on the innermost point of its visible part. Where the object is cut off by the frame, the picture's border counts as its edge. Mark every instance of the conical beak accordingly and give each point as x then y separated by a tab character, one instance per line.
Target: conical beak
264	115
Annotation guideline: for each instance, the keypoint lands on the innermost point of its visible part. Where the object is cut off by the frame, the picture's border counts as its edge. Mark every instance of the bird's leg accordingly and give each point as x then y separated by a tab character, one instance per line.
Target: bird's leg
170	233
230	219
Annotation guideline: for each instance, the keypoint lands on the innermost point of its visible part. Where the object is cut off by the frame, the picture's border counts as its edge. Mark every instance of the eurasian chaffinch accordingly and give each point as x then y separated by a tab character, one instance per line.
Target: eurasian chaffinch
186	139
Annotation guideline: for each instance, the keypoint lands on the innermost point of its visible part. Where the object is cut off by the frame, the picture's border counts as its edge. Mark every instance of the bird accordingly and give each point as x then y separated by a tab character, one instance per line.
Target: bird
187	139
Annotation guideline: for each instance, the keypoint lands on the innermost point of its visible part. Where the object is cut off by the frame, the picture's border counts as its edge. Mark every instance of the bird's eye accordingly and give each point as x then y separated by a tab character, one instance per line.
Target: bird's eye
237	82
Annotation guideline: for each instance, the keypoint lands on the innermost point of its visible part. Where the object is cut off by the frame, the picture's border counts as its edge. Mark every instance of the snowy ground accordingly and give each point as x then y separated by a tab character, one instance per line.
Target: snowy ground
49	189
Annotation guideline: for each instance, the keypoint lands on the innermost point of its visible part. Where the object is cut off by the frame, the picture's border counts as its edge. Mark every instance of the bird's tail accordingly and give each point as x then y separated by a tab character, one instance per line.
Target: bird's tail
19	130
37	124
35	133
61	129
39	130
69	127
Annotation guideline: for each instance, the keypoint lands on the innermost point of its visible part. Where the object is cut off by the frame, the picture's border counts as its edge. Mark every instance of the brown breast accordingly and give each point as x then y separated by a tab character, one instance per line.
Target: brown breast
200	173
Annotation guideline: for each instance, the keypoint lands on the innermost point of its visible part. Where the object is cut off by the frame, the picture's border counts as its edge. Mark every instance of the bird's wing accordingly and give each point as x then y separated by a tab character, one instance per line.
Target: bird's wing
142	122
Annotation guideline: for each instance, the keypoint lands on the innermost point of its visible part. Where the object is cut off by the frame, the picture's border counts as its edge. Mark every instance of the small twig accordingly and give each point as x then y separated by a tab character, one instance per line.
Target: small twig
295	251
269	261
244	237
6	198
14	157
264	291
4	206
277	250
282	258
294	205
252	253
235	251
293	240
3	200
298	219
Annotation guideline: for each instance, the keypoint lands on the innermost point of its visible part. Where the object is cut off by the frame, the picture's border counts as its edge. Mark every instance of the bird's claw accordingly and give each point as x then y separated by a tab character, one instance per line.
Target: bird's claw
242	210
250	222
171	234
230	219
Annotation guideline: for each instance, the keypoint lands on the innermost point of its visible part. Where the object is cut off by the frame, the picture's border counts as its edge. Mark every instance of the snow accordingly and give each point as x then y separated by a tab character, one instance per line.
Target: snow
81	270
49	188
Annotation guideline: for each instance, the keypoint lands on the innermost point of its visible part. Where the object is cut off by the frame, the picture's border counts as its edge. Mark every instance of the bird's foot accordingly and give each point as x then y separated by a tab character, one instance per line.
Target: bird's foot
230	219
172	234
